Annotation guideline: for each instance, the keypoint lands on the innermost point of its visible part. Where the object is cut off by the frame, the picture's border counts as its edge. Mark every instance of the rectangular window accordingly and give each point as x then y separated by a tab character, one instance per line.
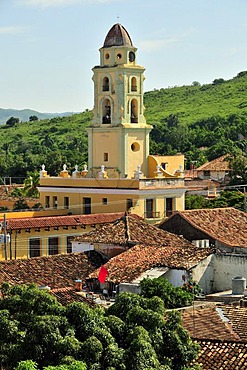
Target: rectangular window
149	208
104	201
105	157
47	201
55	202
86	206
129	204
53	245
34	247
66	202
169	206
69	244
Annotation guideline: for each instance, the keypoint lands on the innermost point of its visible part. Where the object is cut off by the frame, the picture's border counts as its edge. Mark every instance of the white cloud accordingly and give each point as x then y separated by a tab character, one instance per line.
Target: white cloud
152	45
11	30
54	3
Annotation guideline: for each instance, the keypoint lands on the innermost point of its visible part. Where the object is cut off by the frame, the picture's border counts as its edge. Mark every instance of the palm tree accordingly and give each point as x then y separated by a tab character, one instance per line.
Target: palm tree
31	184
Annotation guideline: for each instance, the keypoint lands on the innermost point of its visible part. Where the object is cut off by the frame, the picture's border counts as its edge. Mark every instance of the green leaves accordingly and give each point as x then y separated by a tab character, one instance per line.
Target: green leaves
38	333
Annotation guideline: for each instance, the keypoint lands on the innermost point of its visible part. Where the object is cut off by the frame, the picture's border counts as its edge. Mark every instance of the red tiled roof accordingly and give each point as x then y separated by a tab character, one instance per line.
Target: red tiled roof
218	355
57	271
74	220
218	164
228	225
206	323
131	264
238	318
68	295
131	230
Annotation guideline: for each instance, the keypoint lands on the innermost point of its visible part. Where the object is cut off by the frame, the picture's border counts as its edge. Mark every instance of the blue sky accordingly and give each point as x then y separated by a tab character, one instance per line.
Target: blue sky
48	47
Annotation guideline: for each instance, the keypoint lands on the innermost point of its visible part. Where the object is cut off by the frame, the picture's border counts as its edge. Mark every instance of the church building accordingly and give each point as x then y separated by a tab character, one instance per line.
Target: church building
121	175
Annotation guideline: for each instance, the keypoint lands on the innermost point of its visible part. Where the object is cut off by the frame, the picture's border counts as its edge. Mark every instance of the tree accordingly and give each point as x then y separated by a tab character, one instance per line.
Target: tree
12	121
27	365
172	297
196	83
36	332
31	184
20	204
238	165
33	118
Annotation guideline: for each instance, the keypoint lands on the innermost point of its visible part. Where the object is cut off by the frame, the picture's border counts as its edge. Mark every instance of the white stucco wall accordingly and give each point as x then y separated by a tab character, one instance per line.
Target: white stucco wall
203	274
226	267
175	276
82	247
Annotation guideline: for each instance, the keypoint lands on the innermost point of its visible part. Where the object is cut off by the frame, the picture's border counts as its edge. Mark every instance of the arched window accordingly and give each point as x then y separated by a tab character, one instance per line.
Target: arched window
133	84
105	86
106	111
134	111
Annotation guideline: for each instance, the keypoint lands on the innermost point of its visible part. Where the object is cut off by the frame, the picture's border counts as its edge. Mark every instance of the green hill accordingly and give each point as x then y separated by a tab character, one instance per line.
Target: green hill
202	122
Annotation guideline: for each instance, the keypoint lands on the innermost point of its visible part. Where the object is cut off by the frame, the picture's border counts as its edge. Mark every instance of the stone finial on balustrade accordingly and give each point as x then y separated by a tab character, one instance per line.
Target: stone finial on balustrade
84	172
103	173
43	172
64	173
158	172
76	173
138	173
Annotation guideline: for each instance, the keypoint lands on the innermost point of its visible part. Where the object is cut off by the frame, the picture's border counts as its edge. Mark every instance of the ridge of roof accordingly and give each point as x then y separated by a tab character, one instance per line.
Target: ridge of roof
131	264
69	220
222	217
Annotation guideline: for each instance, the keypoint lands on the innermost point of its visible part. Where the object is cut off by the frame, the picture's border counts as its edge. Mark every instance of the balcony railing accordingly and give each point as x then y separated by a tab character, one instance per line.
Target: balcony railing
151	214
161	183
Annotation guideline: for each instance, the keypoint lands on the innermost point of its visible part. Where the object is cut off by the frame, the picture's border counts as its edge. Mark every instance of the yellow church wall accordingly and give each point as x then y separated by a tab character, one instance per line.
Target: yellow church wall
106	142
173	163
136	151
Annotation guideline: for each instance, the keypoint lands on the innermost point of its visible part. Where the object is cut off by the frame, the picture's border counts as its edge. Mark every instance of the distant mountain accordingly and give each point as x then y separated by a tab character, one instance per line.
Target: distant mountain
24	114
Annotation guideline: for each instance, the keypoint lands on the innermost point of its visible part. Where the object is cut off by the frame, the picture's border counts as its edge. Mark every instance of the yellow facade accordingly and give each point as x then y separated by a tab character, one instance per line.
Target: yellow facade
26	243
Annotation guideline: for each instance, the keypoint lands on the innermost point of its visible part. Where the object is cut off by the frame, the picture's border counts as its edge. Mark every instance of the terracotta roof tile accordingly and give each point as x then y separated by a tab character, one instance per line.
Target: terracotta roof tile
131	264
74	220
131	230
228	225
238	318
57	271
68	295
218	164
217	355
208	323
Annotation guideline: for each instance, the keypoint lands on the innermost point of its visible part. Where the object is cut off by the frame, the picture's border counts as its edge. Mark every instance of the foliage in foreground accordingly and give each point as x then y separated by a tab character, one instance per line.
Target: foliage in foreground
36	332
173	297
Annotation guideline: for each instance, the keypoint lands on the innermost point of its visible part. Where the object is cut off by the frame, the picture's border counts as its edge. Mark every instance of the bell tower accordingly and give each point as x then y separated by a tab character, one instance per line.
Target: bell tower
118	137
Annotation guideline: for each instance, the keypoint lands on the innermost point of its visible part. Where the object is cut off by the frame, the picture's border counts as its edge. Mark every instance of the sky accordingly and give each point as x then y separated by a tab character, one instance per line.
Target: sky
49	47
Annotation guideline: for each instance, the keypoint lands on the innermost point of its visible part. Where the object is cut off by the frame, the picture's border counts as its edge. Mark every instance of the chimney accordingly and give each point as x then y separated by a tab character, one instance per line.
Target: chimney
78	285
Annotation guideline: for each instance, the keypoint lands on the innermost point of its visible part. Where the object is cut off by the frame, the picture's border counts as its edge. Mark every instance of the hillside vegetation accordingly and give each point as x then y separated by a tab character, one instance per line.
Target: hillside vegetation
203	122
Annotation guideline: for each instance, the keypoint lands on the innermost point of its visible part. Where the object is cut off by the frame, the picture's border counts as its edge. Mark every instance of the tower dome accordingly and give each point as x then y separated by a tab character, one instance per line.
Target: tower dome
117	36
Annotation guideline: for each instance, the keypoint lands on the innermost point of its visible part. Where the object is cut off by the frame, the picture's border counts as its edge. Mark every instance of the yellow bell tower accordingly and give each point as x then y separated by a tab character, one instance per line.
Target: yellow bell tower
118	137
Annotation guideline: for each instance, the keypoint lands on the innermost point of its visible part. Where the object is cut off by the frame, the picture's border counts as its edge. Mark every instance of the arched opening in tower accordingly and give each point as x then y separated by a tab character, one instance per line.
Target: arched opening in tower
106	109
133	84
134	111
105	84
